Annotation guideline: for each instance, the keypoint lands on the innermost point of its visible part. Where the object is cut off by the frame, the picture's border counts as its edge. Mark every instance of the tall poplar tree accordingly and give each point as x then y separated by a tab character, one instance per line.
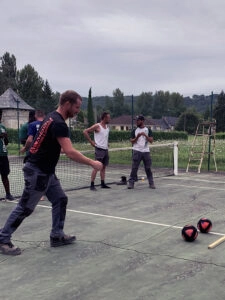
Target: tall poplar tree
219	113
7	72
90	111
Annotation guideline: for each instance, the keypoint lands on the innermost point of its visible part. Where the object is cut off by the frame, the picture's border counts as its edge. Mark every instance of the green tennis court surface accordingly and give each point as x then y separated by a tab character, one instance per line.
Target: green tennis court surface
128	246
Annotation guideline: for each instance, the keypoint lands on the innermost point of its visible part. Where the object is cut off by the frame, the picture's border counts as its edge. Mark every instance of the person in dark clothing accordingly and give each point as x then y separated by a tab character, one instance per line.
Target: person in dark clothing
4	161
40	178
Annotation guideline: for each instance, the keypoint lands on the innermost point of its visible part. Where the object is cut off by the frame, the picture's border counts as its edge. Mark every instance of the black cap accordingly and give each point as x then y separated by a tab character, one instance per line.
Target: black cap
140	117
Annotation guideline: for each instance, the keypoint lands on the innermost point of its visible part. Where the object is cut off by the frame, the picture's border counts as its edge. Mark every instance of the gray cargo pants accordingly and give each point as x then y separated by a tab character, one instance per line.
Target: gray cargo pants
37	184
137	157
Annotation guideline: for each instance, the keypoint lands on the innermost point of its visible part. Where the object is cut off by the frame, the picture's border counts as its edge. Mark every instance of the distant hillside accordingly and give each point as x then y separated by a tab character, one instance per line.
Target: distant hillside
100	101
200	102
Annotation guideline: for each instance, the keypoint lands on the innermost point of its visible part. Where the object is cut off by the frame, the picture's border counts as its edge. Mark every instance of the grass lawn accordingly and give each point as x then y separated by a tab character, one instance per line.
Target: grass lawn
160	155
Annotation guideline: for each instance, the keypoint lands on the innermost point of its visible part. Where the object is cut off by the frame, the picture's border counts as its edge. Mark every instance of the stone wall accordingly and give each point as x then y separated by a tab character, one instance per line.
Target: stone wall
10	117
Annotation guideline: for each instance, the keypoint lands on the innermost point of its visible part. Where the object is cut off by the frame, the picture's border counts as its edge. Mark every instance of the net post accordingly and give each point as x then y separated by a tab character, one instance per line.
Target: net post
175	158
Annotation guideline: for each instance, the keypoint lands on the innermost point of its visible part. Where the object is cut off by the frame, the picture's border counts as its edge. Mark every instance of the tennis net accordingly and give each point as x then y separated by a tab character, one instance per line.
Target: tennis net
76	176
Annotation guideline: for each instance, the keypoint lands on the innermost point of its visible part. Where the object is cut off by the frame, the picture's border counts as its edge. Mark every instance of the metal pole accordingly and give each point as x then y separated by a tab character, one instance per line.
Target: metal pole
209	154
18	123
132	110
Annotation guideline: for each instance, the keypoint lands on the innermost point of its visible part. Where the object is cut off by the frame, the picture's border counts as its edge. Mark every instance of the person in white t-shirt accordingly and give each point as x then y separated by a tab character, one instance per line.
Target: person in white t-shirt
101	138
140	139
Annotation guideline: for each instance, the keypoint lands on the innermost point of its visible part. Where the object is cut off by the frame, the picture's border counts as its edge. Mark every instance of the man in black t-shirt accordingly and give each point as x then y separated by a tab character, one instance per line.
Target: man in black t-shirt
39	174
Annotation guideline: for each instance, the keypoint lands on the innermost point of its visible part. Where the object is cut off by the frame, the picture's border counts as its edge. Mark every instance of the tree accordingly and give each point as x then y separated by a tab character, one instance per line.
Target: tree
90	111
8	72
118	103
188	121
160	105
144	104
30	85
219	112
47	102
175	105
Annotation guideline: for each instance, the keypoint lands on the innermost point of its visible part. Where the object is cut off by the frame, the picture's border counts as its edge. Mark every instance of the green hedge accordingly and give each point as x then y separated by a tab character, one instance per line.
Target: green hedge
220	136
114	136
12	135
120	136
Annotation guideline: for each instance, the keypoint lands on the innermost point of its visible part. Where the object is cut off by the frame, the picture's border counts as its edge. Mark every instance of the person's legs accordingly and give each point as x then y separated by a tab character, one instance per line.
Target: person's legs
59	200
147	164
105	161
4	169
93	176
35	185
136	159
5	181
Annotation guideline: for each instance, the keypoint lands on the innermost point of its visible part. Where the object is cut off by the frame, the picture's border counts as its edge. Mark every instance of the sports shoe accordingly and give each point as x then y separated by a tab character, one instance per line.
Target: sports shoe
61	241
130	185
9	197
123	181
9	249
104	186
93	188
152	186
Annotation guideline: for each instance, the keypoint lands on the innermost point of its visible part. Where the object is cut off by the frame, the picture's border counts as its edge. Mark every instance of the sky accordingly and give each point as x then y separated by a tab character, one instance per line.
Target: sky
134	45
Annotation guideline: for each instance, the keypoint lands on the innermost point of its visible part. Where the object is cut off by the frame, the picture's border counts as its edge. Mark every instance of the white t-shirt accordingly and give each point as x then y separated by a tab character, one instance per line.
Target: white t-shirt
142	143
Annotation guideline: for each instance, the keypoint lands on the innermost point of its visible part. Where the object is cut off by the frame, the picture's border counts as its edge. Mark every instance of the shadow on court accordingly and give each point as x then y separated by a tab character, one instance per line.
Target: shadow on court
129	244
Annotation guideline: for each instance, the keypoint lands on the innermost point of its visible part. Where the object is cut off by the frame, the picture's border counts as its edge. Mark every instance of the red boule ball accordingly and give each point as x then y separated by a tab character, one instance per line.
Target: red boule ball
189	233
204	225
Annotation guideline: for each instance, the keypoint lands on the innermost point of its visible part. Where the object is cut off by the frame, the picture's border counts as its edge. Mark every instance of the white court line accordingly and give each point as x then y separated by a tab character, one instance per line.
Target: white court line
193	179
128	219
197	186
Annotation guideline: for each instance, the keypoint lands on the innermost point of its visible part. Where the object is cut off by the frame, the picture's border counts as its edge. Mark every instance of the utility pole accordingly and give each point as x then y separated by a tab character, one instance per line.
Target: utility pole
211	104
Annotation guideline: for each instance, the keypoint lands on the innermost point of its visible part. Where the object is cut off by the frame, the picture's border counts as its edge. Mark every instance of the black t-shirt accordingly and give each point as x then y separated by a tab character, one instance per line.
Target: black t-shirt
45	149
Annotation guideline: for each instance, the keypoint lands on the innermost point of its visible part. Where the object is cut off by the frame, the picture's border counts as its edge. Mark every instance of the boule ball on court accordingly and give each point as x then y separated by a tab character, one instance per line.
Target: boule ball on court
204	225
189	233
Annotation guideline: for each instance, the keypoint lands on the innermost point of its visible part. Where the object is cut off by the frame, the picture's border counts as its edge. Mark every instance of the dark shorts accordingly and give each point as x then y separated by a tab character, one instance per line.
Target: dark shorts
102	155
4	166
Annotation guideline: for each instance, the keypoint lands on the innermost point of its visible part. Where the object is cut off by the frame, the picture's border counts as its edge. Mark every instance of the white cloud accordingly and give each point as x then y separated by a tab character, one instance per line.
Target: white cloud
136	46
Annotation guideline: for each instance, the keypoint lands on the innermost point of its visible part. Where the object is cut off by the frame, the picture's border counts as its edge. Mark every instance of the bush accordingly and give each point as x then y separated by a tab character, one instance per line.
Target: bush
12	135
77	136
220	136
121	136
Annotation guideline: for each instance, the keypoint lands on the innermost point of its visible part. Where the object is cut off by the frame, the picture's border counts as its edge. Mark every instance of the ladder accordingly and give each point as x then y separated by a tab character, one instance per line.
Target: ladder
204	132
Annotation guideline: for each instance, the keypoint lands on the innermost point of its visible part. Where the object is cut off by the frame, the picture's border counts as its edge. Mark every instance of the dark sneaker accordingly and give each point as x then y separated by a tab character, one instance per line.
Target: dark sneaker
152	186
61	241
104	186
123	181
9	249
130	185
9	197
93	188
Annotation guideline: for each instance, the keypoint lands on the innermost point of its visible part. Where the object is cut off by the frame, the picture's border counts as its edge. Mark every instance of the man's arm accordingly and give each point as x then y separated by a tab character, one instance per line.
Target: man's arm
77	156
27	144
87	132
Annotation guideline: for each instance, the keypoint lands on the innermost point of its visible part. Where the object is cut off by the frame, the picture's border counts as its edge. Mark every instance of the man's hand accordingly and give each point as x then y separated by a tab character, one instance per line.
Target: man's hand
97	165
23	150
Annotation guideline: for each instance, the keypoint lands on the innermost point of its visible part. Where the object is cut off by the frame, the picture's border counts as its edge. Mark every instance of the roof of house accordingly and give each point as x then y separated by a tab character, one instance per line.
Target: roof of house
164	123
10	99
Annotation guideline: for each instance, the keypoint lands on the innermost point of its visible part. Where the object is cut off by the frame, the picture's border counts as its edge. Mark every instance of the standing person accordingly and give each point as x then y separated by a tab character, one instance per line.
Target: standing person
23	131
4	161
101	138
33	128
140	139
39	174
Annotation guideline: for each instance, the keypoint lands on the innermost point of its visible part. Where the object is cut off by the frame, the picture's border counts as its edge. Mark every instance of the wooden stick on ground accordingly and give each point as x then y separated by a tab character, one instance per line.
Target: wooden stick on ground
217	242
